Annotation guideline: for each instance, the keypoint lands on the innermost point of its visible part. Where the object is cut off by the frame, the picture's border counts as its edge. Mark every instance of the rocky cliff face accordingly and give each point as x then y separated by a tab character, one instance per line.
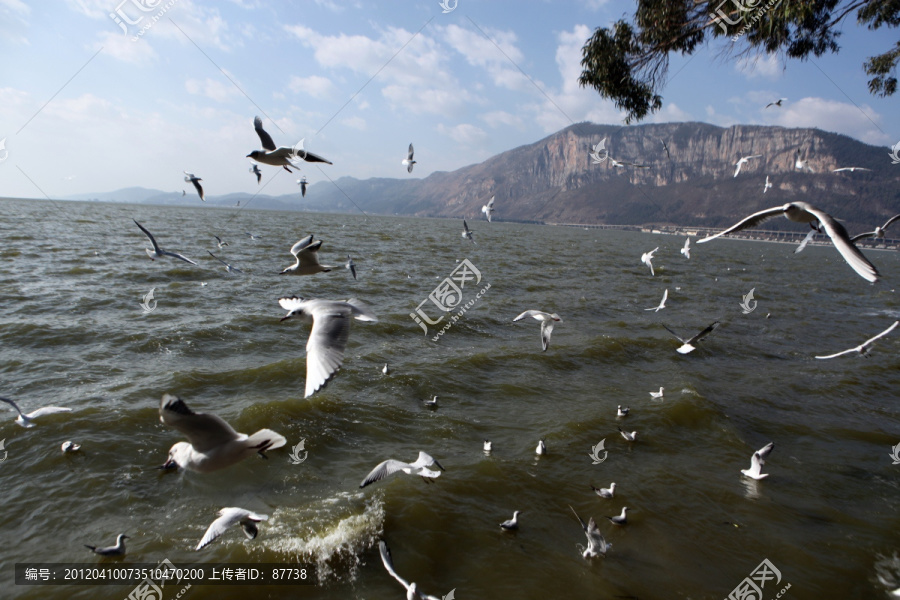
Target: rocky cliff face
555	178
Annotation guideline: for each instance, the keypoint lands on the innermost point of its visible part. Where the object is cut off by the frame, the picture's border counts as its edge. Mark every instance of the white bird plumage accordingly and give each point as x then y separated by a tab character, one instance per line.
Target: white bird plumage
408	162
158	252
511	524
228	517
605	492
25	419
597	545
757	460
117	550
547	320
647	259
686	250
662	303
863	349
688	344
389	467
488	208
412	590
306	255
742	161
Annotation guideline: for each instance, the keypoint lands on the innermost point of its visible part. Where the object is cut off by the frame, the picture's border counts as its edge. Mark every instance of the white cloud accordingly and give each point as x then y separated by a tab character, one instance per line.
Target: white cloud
755	67
497	118
355	123
121	47
498	55
220	90
314	85
464	134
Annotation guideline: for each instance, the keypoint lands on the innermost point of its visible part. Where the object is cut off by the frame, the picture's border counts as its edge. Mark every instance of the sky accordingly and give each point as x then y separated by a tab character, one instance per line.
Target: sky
99	95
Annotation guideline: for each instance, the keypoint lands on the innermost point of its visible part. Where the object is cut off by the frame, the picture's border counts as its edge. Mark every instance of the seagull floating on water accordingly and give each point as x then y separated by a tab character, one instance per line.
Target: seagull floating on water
801	212
488	208
228	267
158	252
487	446
742	161
622	412
328	338
630	436
280	156
385	370
117	550
658	394
547	320
391	466
647	259
864	348
196	181
511	524
412	590
687	248
879	231
606	492
69	447
307	259
688	344
408	162
757	460
25	419
431	403
212	443
597	545
620	519
228	517
541	448
662	303
466	233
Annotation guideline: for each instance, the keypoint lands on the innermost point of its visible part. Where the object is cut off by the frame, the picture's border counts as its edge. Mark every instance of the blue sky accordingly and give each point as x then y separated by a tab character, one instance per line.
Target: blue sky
88	107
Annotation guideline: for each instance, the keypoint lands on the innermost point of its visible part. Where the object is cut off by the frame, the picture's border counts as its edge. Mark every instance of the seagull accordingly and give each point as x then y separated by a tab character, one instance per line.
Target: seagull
622	412
806	240
228	267
255	170
511	524
412	590
251	236
742	161
25	420
879	231
767	185
606	492
487	446
212	443
328	338
219	242
662	303
541	448
776	103
408	161
864	348
117	550
158	252
546	319
687	248
488	208
280	156
666	148
628	436
647	259
385	369
801	212
802	164
597	546
620	519
688	343
302	183
196	181
350	266
466	233
658	394
431	403
229	516
307	263
391	466
69	446
757	460
851	169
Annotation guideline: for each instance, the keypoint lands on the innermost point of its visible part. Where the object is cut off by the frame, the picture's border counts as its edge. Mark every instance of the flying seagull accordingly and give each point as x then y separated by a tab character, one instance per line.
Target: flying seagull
666	148
688	343
851	169
255	170
350	266
219	242
776	103
228	267
863	349
212	443
25	419
391	466
597	546
412	591
742	161
801	164
879	231
117	550
767	185
547	320
228	517
307	258
806	240
801	212
408	161
620	519
511	524
687	248
158	252
302	183
196	181
757	460
280	156
662	303
488	208
647	259
329	335
606	492
466	233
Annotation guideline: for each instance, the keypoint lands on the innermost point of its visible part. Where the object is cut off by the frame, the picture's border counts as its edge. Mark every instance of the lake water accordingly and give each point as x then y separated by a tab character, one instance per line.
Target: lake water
73	333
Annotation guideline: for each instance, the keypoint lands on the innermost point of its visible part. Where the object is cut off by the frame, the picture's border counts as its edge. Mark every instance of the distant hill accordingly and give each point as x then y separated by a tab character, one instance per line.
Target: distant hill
554	180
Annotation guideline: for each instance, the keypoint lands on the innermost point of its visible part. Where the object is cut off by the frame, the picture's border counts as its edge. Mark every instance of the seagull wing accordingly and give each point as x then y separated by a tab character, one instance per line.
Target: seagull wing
490	205
197	185
529	313
46	410
409	154
677	337
204	431
384	469
301	244
889	221
176	255
426	460
859	348
265	139
149	235
13	404
218	259
546	330
389	564
227	518
327	341
312	157
806	240
841	240
703	333
764	452
309	256
860	236
751	221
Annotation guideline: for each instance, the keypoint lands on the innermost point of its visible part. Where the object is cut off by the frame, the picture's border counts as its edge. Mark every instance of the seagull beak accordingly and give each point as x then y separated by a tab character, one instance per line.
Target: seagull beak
168	465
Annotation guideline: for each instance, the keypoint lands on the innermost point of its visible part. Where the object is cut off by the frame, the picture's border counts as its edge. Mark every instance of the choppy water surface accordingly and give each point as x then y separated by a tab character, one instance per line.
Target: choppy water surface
73	333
